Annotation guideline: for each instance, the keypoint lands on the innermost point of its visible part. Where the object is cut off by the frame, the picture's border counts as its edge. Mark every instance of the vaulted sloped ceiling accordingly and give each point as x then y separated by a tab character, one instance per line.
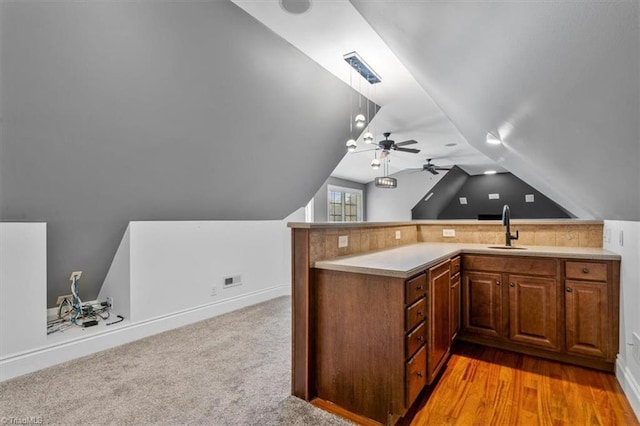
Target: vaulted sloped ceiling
560	82
142	110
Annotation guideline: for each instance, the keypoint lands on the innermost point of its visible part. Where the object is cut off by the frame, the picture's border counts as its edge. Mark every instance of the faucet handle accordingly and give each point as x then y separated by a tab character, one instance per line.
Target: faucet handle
517	235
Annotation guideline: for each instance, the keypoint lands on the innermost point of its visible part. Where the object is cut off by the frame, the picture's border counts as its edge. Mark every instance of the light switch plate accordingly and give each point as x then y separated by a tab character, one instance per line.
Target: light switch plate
529	198
448	232
494	196
463	200
398	235
343	241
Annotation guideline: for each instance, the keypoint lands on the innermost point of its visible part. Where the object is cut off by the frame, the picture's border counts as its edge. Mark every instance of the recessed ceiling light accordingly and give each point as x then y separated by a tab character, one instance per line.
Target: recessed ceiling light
451	144
296	7
490	172
493	139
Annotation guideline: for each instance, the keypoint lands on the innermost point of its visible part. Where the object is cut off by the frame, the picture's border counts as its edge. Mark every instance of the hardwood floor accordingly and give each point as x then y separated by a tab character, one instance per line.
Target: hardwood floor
486	386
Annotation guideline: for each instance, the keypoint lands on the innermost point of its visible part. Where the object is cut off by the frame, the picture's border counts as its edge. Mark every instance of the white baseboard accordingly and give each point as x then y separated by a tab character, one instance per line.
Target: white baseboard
629	385
47	356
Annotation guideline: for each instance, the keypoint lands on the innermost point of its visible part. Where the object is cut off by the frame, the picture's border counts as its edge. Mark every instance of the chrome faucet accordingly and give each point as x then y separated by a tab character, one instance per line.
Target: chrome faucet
506	221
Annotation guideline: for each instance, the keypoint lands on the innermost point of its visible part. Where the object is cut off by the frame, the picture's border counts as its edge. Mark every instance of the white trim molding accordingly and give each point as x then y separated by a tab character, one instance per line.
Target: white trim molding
50	355
629	385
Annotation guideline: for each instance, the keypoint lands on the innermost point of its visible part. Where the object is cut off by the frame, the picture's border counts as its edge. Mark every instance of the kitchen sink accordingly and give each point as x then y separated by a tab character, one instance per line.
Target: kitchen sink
507	248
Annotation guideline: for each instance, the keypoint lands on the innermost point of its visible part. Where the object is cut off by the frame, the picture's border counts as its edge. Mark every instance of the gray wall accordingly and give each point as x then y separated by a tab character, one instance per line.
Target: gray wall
443	192
145	110
320	206
445	202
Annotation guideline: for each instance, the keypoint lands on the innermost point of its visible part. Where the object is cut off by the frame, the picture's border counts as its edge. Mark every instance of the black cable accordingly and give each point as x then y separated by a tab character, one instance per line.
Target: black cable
121	318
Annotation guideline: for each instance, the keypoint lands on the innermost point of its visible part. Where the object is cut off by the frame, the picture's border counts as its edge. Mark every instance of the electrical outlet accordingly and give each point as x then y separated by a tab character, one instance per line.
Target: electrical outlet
75	275
448	232
398	235
69	297
343	241
214	291
621	238
494	196
636	346
529	198
607	235
110	302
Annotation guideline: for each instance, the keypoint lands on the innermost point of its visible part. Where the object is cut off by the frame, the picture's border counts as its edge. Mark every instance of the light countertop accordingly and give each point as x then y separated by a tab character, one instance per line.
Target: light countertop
452	222
406	261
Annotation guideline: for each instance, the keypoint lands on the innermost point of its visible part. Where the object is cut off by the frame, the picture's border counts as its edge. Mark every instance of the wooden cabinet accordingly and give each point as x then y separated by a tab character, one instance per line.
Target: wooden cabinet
483	303
560	309
439	318
533	311
588	319
454	305
370	352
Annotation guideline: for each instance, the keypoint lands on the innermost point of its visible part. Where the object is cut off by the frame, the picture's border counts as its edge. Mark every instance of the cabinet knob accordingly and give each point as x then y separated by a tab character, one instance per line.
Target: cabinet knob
420	338
569	289
419	373
419	287
497	282
419	313
585	270
512	285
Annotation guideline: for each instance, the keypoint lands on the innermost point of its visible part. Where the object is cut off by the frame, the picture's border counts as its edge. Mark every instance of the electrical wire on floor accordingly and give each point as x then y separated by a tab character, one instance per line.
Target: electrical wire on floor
73	312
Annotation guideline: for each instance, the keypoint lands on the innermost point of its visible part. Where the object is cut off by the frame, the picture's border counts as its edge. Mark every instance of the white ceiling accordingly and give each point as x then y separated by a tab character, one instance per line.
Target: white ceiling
330	29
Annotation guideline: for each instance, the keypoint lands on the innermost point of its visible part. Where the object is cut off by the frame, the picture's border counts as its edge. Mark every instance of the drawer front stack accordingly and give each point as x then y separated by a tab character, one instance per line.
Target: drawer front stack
415	328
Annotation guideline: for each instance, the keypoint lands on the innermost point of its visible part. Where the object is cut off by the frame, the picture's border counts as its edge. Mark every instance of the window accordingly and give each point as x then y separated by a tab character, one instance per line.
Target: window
345	204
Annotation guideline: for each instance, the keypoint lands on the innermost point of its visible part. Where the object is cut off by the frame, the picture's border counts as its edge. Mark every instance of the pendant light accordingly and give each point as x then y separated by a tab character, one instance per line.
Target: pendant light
351	143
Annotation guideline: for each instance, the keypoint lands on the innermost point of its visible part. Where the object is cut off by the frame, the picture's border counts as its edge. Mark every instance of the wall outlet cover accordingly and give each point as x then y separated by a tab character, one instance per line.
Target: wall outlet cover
463	200
635	338
69	297
398	235
231	281
343	241
494	196
75	275
529	198
448	232
214	291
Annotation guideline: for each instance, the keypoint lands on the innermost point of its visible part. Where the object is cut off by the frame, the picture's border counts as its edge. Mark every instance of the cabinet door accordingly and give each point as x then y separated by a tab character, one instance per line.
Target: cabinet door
587	318
454	308
439	338
482	303
533	311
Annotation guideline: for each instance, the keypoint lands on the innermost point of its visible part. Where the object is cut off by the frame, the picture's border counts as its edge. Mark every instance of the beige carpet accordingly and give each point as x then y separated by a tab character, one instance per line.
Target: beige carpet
234	369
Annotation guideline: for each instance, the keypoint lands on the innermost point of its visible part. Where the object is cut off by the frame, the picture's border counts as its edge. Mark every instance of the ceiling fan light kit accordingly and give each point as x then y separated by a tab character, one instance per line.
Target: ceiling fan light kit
351	145
368	137
375	164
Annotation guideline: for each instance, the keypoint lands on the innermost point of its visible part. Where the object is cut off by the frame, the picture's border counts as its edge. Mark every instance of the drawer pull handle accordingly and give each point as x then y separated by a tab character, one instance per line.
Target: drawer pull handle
585	270
420	338
569	289
419	373
419	287
512	285
419	313
497	282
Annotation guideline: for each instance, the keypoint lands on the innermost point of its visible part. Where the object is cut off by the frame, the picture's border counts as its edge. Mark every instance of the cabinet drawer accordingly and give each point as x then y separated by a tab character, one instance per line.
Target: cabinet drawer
455	265
510	264
415	339
586	271
416	375
414	288
416	313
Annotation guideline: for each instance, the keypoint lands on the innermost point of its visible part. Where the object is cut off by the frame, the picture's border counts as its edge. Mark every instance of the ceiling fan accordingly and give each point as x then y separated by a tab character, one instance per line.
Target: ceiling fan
387	145
431	168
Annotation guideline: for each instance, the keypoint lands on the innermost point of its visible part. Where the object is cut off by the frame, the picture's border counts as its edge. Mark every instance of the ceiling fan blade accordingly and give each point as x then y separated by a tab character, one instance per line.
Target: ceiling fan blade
412	150
433	171
443	168
409	142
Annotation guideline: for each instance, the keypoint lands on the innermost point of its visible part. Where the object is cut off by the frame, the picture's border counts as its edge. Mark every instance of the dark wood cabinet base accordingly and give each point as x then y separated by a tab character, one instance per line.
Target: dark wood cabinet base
555	356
